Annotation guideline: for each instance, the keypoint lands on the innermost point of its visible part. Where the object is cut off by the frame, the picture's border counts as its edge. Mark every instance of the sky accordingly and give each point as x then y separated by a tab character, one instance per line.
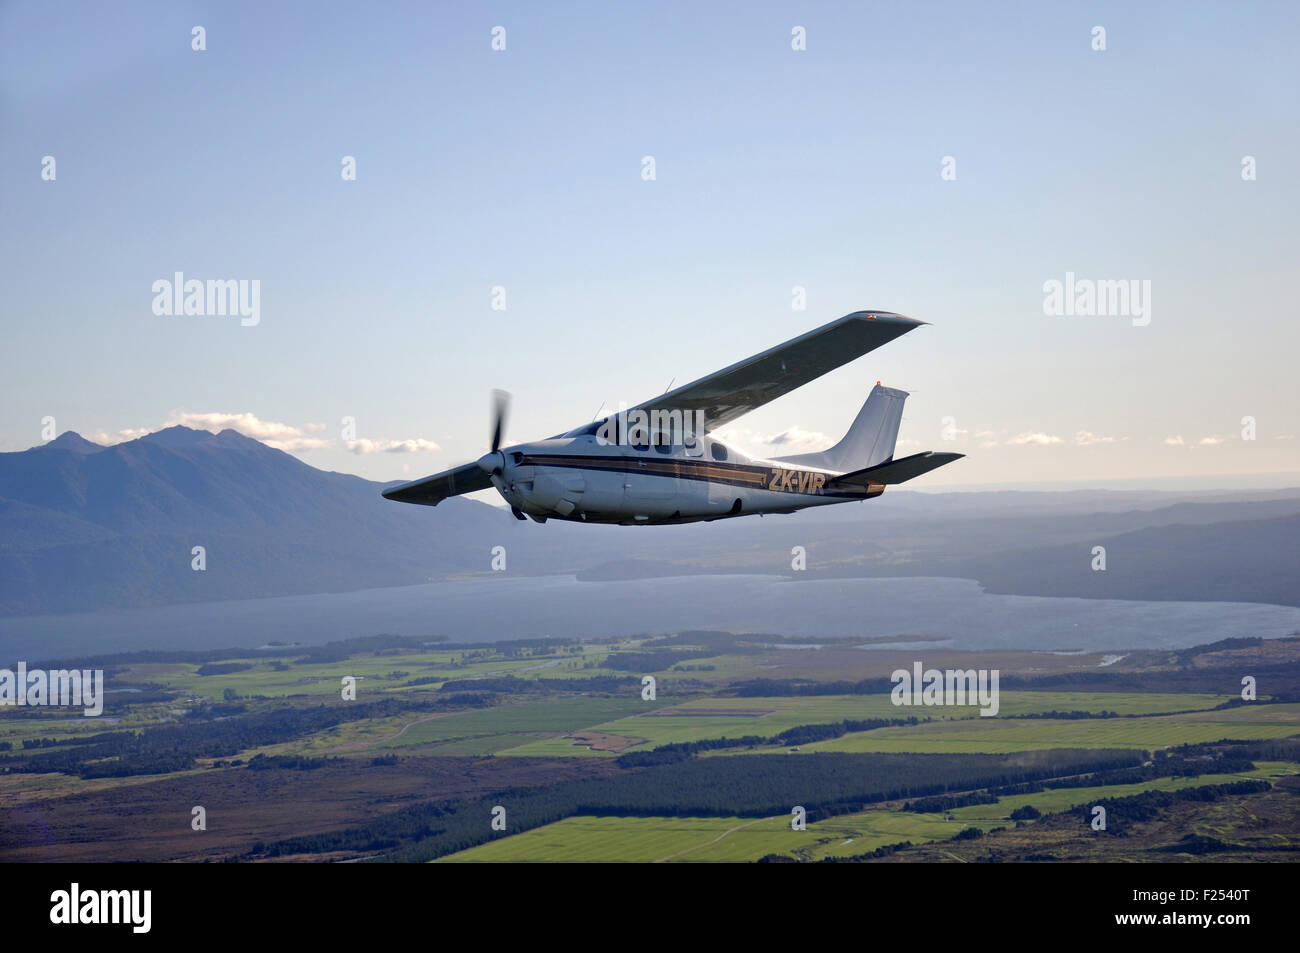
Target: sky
942	161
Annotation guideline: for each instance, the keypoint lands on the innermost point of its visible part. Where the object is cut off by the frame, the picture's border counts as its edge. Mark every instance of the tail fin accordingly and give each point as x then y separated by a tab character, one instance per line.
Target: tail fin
869	442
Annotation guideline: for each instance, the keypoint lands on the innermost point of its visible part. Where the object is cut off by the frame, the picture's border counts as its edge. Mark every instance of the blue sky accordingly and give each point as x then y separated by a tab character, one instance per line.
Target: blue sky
775	168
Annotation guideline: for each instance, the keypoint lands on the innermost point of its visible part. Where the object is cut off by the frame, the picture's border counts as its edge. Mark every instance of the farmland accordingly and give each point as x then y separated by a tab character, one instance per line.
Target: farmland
588	768
732	839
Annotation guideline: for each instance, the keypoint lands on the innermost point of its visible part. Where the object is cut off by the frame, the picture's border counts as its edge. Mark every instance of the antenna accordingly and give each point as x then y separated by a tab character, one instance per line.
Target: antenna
598	410
670	385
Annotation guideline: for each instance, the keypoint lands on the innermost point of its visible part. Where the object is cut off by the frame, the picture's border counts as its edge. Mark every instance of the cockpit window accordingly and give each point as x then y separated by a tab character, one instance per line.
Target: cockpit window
718	450
589	430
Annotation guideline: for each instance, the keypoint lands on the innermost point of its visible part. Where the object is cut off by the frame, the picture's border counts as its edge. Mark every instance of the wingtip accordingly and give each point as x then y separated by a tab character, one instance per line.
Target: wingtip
889	317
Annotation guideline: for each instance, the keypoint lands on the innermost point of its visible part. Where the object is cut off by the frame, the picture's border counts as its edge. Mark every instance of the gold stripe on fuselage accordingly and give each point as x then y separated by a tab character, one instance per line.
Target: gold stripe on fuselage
776	479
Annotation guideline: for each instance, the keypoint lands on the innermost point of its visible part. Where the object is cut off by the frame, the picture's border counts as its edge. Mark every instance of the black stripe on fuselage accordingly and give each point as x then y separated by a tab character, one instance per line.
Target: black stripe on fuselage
776	479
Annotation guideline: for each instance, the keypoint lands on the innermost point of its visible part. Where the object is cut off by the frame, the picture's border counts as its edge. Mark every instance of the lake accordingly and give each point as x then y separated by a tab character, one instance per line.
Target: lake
494	609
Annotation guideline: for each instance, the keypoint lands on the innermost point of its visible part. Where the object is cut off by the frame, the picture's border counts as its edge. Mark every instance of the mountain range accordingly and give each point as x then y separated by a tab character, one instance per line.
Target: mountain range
86	527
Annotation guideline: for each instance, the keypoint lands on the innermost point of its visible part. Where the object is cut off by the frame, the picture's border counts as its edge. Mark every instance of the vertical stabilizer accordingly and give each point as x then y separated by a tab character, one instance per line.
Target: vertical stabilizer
870	441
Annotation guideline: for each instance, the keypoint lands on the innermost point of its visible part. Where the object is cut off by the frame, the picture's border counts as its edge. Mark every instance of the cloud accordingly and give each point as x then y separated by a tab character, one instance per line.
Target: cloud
416	445
1174	441
796	437
1285	436
122	436
983	434
1085	438
272	433
280	436
1209	441
792	438
988	444
1037	439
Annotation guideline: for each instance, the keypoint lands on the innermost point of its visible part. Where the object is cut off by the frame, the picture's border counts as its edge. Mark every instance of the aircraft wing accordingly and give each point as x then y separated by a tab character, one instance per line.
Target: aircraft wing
753	382
433	490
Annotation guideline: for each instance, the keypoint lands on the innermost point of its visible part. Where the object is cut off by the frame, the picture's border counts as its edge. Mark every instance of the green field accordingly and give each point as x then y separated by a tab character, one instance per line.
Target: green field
1001	736
739	839
375	673
700	718
499	727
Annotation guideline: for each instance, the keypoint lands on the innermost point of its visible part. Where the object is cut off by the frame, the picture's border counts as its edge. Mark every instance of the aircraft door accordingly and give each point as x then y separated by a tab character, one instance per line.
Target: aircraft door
652	483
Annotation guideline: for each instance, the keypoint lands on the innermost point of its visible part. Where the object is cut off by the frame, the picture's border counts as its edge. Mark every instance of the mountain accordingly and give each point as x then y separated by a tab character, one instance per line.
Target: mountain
86	527
1254	560
71	440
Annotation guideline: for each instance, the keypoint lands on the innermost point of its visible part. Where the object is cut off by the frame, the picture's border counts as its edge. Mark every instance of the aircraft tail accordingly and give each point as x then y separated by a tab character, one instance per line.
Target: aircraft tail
897	471
869	442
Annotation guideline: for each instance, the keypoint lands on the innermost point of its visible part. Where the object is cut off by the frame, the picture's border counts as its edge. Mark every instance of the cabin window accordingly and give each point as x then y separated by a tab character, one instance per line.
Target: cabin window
719	451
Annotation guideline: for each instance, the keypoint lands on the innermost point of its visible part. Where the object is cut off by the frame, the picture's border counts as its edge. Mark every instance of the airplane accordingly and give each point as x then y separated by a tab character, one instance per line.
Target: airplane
659	462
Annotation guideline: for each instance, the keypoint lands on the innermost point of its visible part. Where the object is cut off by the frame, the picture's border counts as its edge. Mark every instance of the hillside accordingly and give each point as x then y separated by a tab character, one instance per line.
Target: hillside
85	527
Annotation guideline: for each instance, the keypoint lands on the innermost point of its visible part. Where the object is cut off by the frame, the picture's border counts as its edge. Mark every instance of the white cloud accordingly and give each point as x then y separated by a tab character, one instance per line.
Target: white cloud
1037	439
1174	441
272	433
795	437
1085	438
1285	436
280	436
983	434
108	439
1210	441
391	446
791	439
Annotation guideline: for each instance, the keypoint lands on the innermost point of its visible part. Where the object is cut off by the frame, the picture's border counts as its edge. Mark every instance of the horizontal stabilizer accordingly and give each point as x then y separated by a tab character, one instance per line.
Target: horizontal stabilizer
898	471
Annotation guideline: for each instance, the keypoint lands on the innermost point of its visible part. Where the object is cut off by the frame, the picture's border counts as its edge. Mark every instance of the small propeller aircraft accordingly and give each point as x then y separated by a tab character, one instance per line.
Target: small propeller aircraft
660	463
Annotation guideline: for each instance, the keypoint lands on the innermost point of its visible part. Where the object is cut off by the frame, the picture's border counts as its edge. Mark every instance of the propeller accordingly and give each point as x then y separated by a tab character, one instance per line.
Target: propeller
494	461
500	404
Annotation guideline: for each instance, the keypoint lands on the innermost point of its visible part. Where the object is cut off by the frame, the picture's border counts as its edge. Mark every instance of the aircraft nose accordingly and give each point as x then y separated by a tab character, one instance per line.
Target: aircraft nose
492	462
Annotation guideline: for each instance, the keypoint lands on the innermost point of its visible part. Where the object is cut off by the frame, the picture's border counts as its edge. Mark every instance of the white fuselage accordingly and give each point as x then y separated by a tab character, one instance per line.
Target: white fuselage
585	479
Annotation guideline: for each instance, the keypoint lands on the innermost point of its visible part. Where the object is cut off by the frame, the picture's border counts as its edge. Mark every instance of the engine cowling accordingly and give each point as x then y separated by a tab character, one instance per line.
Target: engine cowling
558	492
